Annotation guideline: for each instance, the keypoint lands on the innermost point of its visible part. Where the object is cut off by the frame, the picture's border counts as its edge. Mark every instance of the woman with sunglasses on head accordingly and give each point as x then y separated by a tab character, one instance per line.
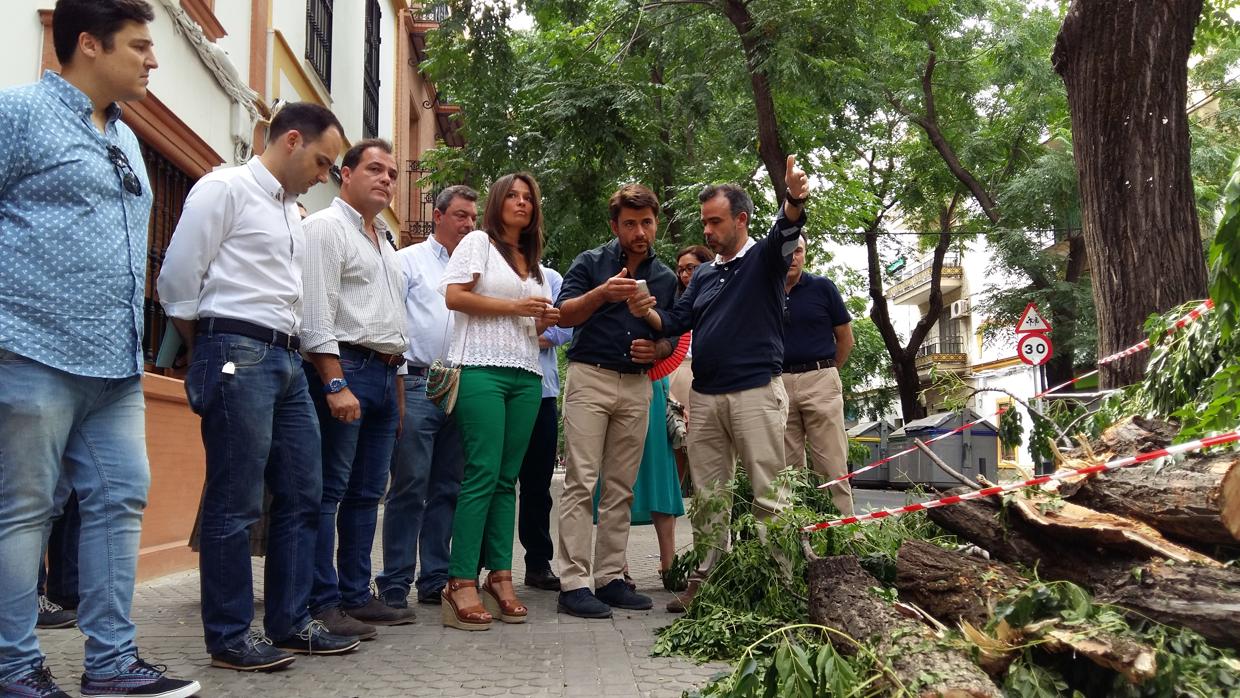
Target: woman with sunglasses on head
503	303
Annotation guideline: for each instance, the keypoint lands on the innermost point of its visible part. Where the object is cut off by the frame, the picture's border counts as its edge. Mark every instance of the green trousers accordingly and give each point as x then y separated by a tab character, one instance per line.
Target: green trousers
495	412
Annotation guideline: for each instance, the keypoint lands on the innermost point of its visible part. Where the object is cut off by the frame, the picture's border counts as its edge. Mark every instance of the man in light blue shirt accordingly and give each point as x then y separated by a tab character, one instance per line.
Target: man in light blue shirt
428	463
534	514
74	207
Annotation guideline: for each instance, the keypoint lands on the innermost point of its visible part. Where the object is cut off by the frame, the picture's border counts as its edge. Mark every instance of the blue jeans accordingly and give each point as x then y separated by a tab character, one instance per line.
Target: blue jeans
426	479
94	431
58	578
258	424
355	473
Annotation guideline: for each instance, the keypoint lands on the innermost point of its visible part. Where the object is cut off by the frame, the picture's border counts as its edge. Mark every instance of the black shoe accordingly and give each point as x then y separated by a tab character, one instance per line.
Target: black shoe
617	594
431	598
542	579
396	597
337	622
256	654
315	639
36	683
581	603
52	615
139	679
375	612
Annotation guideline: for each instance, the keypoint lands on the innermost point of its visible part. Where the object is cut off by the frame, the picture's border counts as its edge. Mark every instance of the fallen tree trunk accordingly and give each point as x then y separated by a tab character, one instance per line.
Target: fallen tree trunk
840	598
1195	501
1204	599
952	586
962	589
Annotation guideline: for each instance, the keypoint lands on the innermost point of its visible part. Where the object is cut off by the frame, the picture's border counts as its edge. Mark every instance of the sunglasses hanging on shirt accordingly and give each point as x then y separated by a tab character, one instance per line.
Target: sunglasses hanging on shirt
129	179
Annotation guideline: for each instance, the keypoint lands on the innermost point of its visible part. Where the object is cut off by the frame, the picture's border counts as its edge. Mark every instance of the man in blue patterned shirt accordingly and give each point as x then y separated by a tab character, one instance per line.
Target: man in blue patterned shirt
74	206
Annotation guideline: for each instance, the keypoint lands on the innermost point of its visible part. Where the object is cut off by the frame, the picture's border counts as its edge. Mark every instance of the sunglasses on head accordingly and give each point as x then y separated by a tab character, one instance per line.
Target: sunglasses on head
129	179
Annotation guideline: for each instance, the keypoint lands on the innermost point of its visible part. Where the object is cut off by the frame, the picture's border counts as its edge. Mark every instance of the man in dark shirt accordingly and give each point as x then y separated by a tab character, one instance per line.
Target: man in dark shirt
607	400
817	339
735	307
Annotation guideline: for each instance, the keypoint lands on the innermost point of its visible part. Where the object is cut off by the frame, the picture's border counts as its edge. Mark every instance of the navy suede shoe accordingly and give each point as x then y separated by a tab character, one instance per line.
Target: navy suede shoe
618	595
581	603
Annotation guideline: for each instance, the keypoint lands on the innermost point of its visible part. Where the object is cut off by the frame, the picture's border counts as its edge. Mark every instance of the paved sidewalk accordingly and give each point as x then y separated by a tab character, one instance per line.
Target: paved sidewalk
550	655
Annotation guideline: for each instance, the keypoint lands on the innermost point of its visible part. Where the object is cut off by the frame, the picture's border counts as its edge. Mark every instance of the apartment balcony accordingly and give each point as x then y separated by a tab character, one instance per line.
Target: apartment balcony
943	353
912	287
430	15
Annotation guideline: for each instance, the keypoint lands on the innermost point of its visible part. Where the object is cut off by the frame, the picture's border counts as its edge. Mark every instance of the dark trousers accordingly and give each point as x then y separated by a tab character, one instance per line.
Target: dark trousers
356	459
534	517
258	425
58	579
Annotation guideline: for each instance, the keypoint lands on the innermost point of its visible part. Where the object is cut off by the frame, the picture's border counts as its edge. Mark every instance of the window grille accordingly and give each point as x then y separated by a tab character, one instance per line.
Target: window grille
319	38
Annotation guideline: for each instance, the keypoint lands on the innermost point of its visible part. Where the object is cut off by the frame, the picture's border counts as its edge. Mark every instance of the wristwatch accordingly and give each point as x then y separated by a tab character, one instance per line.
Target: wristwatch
799	203
335	385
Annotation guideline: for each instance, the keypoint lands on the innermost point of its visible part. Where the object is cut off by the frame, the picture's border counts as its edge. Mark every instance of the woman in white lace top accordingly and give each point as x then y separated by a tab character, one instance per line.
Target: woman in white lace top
503	304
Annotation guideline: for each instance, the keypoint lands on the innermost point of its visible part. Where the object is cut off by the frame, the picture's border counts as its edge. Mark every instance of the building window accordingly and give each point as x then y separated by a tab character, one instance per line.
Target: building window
319	39
370	79
169	185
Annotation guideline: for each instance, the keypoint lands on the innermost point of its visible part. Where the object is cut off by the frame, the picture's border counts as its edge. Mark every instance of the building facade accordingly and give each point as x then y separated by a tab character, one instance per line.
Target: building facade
223	66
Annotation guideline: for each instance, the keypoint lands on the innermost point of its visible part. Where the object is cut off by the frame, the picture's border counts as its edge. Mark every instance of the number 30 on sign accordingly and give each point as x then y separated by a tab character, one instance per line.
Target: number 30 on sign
1034	349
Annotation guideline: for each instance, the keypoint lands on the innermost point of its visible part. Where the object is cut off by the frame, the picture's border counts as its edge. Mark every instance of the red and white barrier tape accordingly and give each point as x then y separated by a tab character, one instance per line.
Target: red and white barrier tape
1192	316
1227	437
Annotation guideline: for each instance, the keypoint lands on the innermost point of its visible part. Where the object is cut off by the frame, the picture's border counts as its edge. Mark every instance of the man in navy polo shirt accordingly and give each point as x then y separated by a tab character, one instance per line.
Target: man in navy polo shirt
817	339
607	401
735	307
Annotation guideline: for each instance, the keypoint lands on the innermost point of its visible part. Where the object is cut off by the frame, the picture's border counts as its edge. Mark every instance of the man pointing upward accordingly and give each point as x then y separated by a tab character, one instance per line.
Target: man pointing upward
734	306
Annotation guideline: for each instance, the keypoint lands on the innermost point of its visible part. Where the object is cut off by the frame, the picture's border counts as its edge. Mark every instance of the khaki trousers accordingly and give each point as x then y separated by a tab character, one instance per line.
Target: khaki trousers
816	415
748	424
605	419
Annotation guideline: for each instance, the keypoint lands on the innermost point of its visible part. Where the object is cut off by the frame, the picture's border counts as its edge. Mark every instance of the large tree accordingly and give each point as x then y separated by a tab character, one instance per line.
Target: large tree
1125	67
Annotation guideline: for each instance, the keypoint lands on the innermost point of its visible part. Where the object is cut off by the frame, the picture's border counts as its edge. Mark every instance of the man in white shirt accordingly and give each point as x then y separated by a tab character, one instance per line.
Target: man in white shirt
231	283
427	465
353	336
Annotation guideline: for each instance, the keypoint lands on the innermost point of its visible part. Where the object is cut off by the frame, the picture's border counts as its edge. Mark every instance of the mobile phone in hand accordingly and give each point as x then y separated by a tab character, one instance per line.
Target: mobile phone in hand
642	288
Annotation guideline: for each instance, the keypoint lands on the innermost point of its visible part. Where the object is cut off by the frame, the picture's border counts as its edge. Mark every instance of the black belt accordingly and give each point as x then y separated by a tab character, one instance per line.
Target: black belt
810	366
391	360
632	370
223	325
418	370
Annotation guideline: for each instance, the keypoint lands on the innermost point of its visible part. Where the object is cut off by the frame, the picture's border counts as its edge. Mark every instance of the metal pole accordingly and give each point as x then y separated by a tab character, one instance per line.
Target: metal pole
946	468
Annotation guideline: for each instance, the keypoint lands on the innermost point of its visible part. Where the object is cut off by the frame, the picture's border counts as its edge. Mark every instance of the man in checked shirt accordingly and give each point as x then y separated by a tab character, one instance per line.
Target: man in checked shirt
353	336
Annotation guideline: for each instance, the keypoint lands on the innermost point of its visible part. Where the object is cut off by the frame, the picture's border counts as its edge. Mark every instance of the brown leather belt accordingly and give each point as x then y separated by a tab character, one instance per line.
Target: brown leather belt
392	360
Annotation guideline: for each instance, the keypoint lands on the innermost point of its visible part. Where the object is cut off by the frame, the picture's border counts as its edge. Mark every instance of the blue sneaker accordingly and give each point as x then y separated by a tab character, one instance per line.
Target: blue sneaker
37	683
582	604
618	595
139	679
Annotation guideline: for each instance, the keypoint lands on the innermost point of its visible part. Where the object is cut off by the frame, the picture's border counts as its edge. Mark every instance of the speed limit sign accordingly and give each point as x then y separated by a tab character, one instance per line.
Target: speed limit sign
1034	349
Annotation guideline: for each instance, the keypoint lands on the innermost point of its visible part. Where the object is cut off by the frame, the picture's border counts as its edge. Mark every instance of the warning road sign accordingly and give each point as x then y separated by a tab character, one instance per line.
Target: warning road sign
1032	321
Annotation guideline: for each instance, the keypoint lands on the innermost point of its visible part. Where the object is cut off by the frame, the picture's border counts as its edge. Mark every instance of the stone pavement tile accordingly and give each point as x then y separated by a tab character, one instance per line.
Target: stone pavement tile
552	654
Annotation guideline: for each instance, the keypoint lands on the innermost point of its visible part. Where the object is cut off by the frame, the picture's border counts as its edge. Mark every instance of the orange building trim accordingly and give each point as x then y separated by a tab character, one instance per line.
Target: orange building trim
203	12
154	123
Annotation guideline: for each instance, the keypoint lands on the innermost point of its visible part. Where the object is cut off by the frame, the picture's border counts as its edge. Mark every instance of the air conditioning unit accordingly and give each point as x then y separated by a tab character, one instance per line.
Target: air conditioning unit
960	308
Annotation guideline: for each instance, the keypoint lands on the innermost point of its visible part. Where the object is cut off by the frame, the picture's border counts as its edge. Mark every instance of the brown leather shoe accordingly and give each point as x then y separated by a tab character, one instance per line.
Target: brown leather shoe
683	600
468	618
507	610
340	623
